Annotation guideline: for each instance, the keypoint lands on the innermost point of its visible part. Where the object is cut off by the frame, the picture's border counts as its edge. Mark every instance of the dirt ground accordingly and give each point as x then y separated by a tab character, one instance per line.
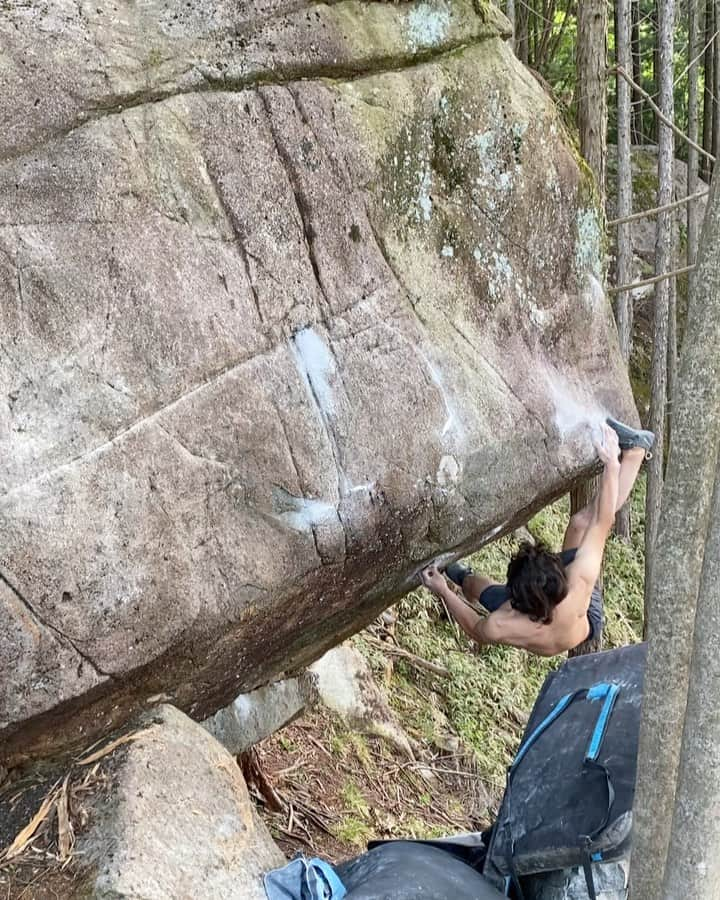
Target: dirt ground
336	789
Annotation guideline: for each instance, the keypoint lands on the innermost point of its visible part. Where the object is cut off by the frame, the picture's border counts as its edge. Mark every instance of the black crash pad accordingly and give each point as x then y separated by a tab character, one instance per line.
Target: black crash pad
405	870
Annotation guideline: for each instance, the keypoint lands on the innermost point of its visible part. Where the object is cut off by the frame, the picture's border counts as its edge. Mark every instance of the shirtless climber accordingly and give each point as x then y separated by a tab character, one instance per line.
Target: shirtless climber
552	601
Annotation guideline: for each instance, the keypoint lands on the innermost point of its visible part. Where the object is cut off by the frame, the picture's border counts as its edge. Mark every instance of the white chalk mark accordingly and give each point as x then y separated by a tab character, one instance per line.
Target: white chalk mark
304	513
368	486
317	365
449	471
575	409
452	421
594	294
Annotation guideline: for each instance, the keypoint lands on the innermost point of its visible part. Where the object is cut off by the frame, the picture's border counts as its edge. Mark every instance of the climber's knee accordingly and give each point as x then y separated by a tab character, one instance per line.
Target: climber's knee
580	521
577	526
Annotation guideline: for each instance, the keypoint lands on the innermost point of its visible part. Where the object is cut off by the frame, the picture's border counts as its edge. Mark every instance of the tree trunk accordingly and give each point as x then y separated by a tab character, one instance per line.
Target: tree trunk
533	37
591	64
693	861
709	81
716	82
663	263
694	49
678	565
672	350
623	271
637	98
653	132
521	33
510	13
592	93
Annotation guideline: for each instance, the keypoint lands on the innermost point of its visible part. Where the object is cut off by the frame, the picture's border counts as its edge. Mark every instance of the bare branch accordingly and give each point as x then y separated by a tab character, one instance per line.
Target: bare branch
645	214
621	288
417	661
663	118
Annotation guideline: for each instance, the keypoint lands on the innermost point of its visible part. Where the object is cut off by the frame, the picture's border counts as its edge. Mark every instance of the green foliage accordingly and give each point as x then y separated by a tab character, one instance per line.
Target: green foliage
558	67
354	831
354	800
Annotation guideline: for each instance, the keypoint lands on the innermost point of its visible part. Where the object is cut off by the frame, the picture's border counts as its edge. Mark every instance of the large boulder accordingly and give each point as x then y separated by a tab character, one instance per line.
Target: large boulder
345	684
179	821
294	297
252	717
161	810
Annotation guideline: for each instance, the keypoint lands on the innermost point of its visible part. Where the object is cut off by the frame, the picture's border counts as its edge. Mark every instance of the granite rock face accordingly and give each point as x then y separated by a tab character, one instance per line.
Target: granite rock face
252	717
294	298
177	821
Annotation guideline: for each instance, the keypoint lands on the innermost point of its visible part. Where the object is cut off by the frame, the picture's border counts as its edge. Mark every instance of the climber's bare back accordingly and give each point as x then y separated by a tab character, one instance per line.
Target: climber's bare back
569	626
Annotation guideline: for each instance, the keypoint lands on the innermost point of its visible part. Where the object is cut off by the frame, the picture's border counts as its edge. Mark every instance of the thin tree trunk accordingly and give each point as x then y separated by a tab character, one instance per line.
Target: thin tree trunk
530	35
716	84
542	55
637	99
560	31
591	65
672	350
623	274
709	81
592	93
510	12
555	43
693	861
693	128
663	257
653	132
521	32
677	569
582	494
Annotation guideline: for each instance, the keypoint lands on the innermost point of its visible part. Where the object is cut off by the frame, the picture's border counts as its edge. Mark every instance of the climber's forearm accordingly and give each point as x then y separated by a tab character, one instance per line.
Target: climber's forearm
466	617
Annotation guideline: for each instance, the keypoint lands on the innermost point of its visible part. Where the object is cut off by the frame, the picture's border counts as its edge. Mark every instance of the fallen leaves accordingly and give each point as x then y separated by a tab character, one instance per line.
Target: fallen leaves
63	806
24	837
108	748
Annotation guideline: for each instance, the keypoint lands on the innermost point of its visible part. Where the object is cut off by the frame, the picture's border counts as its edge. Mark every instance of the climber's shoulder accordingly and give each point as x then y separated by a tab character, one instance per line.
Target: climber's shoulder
507	626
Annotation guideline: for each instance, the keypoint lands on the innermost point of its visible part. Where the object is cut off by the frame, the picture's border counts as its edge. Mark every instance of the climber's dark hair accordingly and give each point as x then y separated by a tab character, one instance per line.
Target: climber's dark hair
537	582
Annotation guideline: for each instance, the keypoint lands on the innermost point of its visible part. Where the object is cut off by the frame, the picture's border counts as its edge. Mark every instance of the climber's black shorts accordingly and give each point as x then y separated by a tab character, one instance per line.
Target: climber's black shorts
493	597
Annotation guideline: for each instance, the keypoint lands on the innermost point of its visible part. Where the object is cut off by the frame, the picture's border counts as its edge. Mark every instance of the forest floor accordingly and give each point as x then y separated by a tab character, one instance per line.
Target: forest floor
340	788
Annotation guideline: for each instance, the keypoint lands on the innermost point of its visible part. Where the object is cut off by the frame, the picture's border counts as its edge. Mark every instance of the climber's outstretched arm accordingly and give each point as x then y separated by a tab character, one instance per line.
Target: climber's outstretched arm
475	626
588	561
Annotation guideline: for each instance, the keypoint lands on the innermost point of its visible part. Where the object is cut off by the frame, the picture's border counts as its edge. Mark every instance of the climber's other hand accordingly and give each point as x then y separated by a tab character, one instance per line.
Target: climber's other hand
609	450
433	579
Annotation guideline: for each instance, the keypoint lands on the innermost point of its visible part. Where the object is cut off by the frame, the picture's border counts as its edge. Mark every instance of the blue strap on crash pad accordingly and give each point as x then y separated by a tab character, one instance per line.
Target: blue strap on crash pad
611	693
556	711
304	879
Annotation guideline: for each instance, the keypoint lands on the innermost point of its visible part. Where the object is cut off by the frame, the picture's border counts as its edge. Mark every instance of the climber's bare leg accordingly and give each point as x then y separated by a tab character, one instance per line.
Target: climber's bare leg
579	523
474	585
630	463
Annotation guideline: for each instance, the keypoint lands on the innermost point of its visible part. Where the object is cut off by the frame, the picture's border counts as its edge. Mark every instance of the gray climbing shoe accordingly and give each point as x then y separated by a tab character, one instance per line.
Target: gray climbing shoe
457	573
632	437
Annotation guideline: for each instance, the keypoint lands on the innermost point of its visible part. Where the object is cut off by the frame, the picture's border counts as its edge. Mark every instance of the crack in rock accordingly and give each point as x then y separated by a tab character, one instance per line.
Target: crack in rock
48	626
